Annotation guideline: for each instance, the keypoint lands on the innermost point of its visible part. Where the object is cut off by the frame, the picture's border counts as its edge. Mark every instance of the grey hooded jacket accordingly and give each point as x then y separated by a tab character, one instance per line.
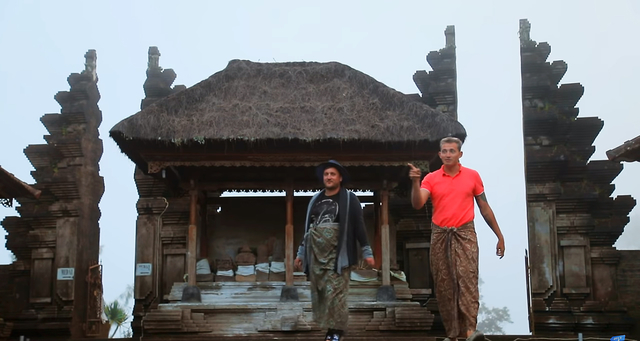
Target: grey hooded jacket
351	232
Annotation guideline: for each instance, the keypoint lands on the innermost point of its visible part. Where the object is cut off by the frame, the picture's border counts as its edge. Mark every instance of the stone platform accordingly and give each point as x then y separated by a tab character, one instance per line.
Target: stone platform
253	309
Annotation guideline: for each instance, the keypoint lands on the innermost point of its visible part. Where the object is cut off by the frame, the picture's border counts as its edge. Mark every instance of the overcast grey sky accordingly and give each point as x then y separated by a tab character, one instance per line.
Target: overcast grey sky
43	42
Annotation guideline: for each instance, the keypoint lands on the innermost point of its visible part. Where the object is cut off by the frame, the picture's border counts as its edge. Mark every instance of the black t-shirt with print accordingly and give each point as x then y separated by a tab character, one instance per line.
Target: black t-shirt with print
325	209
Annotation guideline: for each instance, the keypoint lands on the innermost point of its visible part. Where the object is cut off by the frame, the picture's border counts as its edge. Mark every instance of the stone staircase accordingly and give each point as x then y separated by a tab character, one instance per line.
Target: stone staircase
254	309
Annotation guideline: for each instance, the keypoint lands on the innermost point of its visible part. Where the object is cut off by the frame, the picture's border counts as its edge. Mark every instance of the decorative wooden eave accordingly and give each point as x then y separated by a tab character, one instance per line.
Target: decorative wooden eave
363	155
628	151
274	177
11	187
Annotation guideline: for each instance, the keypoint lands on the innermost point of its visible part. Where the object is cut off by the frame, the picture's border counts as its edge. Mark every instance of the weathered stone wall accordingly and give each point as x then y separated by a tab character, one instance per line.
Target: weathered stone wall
628	277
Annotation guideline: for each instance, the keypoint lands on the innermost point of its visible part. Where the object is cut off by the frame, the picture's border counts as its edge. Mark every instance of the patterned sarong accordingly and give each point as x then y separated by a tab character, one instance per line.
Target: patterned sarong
329	290
454	264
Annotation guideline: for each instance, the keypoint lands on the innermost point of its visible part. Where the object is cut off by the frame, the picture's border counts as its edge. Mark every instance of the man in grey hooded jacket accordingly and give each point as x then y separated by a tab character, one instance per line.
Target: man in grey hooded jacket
334	227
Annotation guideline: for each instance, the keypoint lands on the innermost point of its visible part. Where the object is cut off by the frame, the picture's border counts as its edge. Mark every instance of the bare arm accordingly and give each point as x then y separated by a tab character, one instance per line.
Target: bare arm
419	196
297	263
490	219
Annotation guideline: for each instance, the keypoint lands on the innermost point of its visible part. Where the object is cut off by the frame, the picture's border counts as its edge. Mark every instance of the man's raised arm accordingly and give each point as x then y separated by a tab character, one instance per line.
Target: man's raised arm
419	196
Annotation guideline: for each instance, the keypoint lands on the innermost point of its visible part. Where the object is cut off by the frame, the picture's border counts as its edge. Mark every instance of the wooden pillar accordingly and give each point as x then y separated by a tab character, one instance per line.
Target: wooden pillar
386	292
384	237
289	237
202	234
377	239
192	236
289	292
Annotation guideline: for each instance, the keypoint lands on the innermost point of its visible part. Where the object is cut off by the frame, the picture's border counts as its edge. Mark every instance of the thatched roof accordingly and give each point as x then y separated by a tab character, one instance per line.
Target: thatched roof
11	187
303	101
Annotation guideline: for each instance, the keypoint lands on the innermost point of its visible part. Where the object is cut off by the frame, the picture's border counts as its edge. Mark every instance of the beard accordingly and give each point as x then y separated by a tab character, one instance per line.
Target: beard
331	186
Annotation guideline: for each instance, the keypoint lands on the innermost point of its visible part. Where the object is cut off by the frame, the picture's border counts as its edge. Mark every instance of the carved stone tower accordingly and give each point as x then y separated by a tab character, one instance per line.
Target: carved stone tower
56	279
439	87
162	219
573	221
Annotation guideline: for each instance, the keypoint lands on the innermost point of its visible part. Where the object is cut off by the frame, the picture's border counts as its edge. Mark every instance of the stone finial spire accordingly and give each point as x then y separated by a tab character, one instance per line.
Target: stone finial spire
450	36
154	60
439	87
90	64
525	33
159	81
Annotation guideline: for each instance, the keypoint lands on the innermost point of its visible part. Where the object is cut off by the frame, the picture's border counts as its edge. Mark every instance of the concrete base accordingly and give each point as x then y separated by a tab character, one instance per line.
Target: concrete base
191	294
386	293
289	294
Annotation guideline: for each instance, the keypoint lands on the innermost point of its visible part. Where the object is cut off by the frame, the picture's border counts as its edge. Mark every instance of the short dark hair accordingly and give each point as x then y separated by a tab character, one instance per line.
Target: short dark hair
451	139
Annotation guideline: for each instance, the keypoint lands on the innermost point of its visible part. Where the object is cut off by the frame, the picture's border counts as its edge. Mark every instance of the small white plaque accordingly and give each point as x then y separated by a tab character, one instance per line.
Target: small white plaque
143	269
66	274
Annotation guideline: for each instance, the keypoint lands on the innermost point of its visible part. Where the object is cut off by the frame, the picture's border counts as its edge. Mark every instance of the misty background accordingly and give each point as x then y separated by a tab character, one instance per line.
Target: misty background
42	42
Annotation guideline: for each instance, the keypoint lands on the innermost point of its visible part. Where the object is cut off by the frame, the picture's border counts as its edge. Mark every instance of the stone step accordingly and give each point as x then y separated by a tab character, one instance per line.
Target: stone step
250	292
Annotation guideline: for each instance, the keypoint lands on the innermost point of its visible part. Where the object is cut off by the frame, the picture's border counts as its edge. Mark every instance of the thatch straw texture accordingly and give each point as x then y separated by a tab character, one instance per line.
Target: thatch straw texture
303	101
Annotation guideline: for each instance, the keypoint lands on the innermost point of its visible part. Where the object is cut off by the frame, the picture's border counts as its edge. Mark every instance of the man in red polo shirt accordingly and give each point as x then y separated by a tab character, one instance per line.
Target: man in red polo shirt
454	244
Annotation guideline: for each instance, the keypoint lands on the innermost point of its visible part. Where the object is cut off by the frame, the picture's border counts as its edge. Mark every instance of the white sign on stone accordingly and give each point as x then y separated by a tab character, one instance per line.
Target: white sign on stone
66	274
143	269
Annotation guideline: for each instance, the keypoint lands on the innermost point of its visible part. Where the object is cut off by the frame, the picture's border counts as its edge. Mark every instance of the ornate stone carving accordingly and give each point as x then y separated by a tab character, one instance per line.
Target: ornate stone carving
224	264
263	254
56	238
159	81
572	221
439	87
153	65
278	251
525	33
90	64
245	256
450	36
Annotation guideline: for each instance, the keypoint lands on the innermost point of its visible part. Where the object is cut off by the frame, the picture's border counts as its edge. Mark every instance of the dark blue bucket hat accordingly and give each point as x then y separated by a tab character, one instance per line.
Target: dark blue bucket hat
335	164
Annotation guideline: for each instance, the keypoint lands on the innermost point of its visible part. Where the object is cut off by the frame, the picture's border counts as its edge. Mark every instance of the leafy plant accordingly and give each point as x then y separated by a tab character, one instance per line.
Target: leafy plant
115	314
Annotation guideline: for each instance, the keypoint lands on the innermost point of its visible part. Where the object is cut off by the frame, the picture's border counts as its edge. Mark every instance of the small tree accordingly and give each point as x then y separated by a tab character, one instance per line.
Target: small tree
490	319
115	315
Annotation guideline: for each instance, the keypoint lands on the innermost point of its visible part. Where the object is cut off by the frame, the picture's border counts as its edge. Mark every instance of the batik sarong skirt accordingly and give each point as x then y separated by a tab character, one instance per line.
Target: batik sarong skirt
454	264
329	290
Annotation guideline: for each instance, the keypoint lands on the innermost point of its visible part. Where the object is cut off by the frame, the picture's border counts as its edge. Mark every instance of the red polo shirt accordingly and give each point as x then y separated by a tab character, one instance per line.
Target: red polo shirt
453	197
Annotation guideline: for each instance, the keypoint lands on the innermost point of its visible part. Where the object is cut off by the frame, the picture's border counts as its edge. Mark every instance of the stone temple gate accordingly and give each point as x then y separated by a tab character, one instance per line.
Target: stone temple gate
577	281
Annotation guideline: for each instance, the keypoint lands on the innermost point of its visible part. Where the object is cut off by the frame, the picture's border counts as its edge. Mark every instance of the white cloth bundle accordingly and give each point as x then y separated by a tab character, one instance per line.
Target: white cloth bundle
246	270
277	267
202	267
262	267
224	273
359	278
399	275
